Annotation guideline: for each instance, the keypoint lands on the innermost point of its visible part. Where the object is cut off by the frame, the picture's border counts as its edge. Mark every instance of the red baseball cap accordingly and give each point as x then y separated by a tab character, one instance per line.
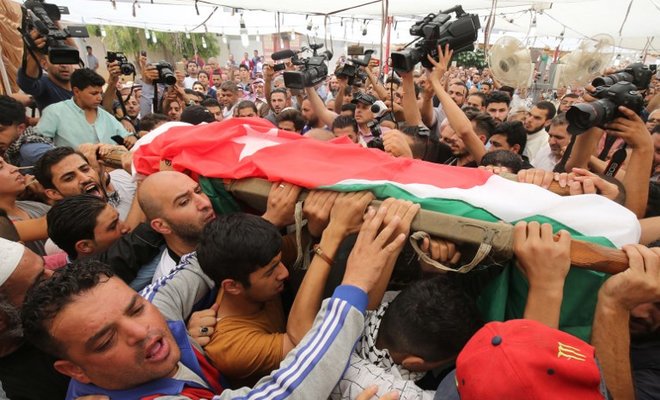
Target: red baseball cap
524	359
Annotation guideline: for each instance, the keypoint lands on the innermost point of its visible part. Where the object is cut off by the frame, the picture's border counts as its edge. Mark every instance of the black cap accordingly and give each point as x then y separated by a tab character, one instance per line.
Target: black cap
196	115
364	98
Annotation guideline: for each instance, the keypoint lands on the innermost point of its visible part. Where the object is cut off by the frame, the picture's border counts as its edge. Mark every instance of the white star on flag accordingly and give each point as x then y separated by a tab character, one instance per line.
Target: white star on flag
255	141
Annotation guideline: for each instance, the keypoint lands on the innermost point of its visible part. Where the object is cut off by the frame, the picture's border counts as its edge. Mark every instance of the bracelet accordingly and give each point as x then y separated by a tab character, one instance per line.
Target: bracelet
319	252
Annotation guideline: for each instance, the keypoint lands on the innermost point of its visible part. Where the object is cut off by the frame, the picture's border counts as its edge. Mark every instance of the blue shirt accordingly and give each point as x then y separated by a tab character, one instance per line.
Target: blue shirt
162	386
44	91
67	125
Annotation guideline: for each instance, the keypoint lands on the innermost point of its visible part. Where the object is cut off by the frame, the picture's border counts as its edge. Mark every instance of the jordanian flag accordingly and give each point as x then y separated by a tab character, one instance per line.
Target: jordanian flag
253	148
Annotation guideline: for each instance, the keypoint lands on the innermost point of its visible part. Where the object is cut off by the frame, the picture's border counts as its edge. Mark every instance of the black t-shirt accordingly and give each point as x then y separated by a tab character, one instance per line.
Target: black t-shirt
645	362
28	374
44	91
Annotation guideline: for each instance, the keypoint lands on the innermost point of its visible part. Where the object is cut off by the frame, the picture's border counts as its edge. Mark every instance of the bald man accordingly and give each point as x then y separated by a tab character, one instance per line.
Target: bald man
175	207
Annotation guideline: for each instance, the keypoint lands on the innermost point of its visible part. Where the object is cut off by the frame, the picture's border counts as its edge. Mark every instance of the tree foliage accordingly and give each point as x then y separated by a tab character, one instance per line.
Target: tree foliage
173	44
468	59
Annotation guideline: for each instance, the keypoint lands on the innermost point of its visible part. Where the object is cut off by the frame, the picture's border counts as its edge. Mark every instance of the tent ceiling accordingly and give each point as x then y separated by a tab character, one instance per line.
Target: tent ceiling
632	23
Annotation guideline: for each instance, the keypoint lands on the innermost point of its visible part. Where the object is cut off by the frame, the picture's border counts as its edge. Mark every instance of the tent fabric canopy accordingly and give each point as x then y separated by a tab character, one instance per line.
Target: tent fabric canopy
632	23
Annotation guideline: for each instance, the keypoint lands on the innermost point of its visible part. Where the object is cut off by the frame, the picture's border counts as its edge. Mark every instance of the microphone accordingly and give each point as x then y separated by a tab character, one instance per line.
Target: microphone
282	54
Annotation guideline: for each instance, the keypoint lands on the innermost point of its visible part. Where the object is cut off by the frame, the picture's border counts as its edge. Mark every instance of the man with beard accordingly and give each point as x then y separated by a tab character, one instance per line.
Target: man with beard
177	208
497	105
258	95
228	97
217	80
311	119
64	172
278	101
537	120
49	88
133	112
558	139
25	372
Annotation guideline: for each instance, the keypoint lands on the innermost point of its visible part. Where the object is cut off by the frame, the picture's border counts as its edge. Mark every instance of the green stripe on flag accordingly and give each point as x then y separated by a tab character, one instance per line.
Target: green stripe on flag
458	208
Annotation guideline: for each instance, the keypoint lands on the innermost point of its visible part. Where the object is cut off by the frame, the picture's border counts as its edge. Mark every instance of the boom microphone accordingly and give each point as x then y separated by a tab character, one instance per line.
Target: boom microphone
283	54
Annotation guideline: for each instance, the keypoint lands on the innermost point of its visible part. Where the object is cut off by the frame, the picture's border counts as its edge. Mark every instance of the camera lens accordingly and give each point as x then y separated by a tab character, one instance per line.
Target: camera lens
127	69
587	115
612	79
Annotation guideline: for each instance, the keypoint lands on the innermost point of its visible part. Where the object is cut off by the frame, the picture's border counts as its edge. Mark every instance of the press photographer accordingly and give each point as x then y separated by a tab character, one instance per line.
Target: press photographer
437	30
311	70
622	88
44	17
614	104
42	36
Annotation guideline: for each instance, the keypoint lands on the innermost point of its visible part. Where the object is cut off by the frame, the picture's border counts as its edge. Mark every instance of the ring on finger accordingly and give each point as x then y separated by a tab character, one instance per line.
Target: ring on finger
204	330
282	186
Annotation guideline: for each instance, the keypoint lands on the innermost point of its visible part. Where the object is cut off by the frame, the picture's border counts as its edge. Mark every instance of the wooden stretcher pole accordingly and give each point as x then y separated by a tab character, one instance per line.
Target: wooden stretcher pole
254	192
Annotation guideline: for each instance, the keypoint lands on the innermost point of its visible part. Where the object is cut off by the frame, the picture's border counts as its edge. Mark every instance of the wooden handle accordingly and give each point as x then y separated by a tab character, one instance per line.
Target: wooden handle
554	186
598	258
254	192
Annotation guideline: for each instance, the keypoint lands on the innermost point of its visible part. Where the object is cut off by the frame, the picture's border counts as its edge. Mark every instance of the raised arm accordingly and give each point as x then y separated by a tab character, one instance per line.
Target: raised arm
411	111
326	116
345	218
426	104
633	131
458	121
546	264
621	293
380	90
110	94
339	99
315	366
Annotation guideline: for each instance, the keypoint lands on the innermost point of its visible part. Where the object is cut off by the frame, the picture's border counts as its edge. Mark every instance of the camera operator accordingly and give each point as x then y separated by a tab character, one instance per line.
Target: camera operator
363	114
110	96
49	88
630	127
149	74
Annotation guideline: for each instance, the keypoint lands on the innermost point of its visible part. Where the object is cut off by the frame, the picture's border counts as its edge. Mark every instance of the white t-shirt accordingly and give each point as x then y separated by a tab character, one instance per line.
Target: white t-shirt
535	141
125	189
165	265
188	82
545	159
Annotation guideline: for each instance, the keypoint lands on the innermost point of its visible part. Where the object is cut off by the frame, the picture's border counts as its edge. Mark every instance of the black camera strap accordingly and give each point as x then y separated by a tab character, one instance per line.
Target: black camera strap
122	104
561	165
616	161
28	48
155	99
609	142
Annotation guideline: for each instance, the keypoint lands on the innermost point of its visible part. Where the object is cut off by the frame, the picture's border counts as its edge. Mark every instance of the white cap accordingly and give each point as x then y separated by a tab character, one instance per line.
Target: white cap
10	255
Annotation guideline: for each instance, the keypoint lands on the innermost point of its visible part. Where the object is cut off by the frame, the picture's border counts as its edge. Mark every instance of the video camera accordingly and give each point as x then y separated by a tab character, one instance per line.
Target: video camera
621	88
437	30
165	73
125	67
351	69
312	70
40	15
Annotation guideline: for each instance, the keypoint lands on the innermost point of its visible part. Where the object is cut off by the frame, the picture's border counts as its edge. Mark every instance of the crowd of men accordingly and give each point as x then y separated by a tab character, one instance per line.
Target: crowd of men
123	288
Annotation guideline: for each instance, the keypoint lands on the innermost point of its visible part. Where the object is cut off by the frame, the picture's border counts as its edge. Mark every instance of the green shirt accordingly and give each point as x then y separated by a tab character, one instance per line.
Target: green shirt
67	125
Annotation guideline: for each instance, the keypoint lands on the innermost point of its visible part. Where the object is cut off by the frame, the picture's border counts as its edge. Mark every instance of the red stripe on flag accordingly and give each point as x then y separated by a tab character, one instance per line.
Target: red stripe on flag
228	149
